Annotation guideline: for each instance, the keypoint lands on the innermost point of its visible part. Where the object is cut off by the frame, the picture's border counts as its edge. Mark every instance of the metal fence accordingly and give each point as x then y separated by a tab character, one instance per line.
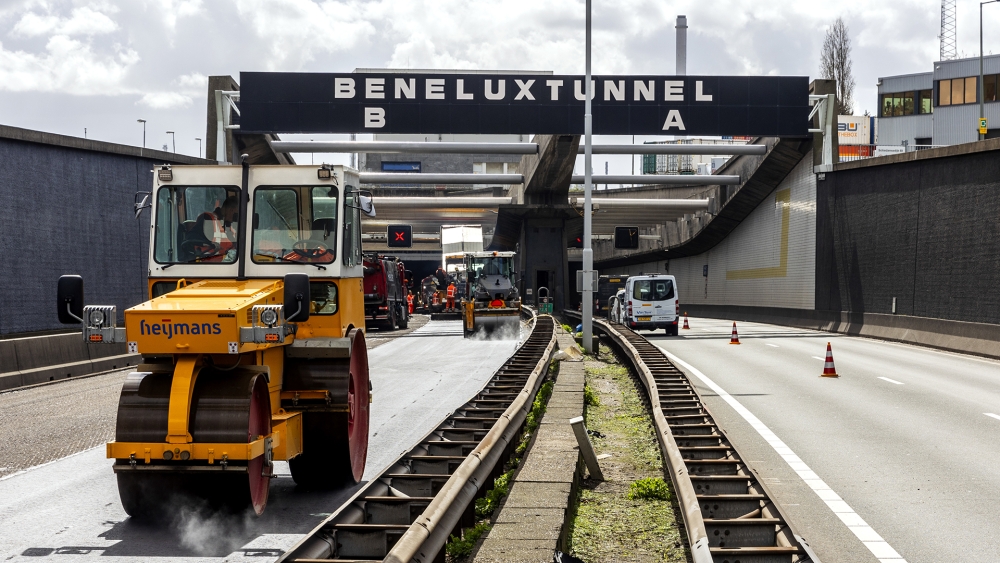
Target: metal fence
849	153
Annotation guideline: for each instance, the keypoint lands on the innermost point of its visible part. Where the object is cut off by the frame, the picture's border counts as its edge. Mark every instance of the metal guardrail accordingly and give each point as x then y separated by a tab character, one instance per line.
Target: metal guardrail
407	513
728	513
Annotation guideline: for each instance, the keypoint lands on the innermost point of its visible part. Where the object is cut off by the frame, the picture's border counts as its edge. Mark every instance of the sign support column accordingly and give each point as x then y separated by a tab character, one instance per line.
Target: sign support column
587	308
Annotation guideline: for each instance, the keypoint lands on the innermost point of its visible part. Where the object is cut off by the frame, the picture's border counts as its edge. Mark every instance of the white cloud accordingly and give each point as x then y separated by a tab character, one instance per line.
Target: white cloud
165	100
189	87
68	66
171	11
81	21
195	81
297	31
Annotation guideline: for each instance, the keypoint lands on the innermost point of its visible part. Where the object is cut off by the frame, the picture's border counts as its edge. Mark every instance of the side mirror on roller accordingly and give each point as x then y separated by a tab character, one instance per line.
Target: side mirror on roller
296	298
70	298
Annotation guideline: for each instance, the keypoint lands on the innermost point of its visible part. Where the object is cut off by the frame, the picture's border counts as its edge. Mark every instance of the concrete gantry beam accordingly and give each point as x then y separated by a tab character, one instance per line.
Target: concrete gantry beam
440	202
439	179
712	150
657	204
666	179
394	147
434	147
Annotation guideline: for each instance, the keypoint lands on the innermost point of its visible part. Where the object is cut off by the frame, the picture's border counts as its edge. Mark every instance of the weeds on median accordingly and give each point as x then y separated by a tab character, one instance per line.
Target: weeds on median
462	547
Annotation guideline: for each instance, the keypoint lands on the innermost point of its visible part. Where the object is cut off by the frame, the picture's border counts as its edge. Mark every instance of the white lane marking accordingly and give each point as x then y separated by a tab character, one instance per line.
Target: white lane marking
868	536
707	329
820	359
772	345
996	416
891	380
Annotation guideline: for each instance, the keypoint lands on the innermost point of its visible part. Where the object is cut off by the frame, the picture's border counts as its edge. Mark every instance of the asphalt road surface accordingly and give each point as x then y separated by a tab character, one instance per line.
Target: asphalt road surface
897	459
68	508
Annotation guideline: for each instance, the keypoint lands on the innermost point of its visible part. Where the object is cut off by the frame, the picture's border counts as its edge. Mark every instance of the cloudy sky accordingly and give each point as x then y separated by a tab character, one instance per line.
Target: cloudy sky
66	65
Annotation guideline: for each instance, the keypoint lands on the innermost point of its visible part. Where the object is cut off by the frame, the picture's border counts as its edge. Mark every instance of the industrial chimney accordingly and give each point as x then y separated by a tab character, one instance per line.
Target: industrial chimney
682	44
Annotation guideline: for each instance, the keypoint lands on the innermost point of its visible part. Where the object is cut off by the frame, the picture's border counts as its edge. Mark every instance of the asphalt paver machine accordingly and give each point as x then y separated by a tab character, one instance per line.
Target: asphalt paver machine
252	342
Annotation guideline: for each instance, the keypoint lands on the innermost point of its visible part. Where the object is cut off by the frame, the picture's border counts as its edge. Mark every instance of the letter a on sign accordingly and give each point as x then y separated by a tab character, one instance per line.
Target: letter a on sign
673	120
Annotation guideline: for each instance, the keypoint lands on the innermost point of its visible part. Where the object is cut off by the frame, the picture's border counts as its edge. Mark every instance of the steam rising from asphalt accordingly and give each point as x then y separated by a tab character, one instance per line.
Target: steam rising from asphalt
503	331
208	532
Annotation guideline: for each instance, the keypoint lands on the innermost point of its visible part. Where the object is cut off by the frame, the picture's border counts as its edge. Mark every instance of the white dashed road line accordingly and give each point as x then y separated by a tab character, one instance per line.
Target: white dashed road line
820	359
996	416
872	540
772	345
891	380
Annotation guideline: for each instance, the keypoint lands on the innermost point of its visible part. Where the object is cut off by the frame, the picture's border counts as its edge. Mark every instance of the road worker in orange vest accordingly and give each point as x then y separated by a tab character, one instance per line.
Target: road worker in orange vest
451	296
409	302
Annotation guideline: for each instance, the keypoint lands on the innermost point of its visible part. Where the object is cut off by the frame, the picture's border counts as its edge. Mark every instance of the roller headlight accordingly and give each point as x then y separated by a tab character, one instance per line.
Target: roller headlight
268	317
96	318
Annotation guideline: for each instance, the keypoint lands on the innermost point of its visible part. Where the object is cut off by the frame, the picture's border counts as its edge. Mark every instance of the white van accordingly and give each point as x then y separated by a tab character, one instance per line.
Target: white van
651	302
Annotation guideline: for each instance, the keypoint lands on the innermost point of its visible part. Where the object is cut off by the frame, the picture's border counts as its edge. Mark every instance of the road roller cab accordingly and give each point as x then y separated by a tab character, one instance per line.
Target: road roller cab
252	340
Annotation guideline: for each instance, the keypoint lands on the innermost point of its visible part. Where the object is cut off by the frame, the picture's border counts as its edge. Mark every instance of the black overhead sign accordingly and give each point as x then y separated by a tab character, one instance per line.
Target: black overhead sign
522	104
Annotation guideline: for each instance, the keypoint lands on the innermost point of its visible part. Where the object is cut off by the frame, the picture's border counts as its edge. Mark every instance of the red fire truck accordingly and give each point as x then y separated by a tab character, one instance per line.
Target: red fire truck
385	292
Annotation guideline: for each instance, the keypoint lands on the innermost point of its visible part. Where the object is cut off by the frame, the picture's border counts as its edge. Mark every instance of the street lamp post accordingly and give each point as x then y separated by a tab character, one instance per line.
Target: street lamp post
143	121
587	309
173	140
199	145
982	87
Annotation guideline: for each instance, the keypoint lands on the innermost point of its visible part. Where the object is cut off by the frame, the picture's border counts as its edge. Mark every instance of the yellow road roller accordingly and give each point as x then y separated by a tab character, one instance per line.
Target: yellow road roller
252	341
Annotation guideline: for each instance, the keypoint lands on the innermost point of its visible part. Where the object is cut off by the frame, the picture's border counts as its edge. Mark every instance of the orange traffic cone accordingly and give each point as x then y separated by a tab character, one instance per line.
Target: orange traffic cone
736	338
828	368
685	327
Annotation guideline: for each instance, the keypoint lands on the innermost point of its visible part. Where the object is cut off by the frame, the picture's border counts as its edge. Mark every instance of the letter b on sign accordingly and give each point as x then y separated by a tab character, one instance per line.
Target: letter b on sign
374	118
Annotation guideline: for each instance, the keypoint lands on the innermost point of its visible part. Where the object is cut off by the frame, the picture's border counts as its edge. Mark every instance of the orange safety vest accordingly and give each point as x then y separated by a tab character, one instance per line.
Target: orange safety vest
409	299
451	292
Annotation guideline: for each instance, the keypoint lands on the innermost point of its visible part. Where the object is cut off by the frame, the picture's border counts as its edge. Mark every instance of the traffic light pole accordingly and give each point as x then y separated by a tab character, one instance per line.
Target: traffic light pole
587	308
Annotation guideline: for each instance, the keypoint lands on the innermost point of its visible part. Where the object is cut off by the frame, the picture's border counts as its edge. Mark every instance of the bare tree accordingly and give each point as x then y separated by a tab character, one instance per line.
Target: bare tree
835	64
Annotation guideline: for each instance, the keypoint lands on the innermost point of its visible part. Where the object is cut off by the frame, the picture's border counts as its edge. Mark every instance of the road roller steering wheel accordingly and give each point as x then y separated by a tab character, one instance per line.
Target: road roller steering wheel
200	248
310	249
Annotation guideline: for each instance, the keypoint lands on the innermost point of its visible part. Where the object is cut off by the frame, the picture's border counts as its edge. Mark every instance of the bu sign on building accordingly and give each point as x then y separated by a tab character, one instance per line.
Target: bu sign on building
518	104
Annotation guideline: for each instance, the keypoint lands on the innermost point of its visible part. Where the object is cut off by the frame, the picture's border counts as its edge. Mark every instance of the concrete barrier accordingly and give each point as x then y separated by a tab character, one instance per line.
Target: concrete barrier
982	339
37	359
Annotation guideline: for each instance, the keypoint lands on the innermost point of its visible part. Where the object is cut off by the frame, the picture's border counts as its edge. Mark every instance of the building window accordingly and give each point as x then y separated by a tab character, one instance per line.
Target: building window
926	104
957	91
902	103
400	166
990	84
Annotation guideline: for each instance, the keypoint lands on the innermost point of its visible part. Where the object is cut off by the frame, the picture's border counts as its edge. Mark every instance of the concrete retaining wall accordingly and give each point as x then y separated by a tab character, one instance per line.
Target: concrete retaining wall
37	359
67	209
974	338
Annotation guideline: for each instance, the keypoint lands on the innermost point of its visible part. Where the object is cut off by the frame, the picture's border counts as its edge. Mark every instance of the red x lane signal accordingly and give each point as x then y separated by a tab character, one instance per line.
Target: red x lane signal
399	236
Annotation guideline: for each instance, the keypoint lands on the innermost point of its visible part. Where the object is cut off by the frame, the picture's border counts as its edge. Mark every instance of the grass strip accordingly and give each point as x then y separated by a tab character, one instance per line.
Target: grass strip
629	516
